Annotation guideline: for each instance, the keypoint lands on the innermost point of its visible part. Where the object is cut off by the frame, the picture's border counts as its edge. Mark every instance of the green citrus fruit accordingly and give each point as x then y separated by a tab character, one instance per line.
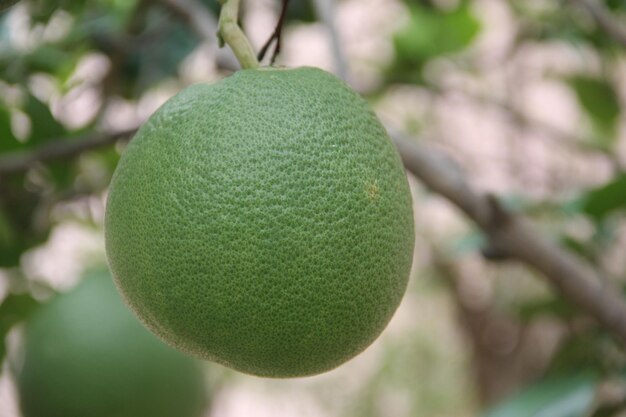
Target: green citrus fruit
86	355
263	222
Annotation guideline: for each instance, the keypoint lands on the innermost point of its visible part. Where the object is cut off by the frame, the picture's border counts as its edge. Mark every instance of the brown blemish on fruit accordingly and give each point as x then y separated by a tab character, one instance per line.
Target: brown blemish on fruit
373	191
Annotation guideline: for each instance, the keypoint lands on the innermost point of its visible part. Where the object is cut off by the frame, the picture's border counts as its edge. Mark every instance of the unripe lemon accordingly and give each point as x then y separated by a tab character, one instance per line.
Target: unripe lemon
263	222
87	355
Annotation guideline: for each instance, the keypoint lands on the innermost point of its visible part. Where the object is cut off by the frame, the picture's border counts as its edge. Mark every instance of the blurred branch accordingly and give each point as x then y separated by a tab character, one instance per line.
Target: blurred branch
59	149
512	237
504	348
326	13
605	20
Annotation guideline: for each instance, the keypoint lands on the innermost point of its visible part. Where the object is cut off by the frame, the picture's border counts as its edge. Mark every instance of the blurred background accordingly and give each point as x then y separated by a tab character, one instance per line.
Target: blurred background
528	97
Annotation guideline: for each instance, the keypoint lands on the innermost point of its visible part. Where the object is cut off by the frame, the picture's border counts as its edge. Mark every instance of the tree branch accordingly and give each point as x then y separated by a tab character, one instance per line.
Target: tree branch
59	149
275	36
513	237
604	19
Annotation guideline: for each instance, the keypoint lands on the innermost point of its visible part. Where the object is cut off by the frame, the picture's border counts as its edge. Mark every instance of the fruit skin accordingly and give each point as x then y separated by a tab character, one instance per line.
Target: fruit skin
263	222
87	355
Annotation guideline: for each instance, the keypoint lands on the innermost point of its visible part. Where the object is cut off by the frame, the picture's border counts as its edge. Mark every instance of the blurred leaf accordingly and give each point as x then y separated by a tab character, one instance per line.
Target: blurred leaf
21	227
582	249
213	5
43	124
62	173
11	247
589	349
556	307
5	4
42	10
599	99
150	56
7	236
562	396
610	410
548	21
46	58
13	309
301	10
432	32
53	59
616	4
601	201
161	58
8	142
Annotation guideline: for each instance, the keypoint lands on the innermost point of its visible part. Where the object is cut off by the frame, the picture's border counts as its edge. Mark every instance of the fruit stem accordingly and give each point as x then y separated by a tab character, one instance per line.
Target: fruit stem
230	32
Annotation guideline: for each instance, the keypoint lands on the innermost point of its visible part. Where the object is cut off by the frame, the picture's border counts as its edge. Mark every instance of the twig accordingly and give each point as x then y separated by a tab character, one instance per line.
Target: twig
513	237
203	23
604	20
230	32
275	36
59	149
325	12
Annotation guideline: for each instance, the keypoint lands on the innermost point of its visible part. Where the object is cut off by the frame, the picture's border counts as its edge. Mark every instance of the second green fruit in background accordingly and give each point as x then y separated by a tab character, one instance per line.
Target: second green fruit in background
86	355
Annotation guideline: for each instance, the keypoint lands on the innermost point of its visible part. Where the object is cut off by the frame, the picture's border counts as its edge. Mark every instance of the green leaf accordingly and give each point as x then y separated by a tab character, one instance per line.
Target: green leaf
11	245
301	10
13	309
42	10
601	201
556	307
43	124
8	142
62	173
432	32
21	225
48	59
616	4
589	349
581	248
156	54
563	396
5	4
599	99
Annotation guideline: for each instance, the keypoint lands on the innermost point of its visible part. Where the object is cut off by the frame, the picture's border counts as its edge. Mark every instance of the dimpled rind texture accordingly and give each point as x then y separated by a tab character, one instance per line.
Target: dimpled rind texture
264	222
87	355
